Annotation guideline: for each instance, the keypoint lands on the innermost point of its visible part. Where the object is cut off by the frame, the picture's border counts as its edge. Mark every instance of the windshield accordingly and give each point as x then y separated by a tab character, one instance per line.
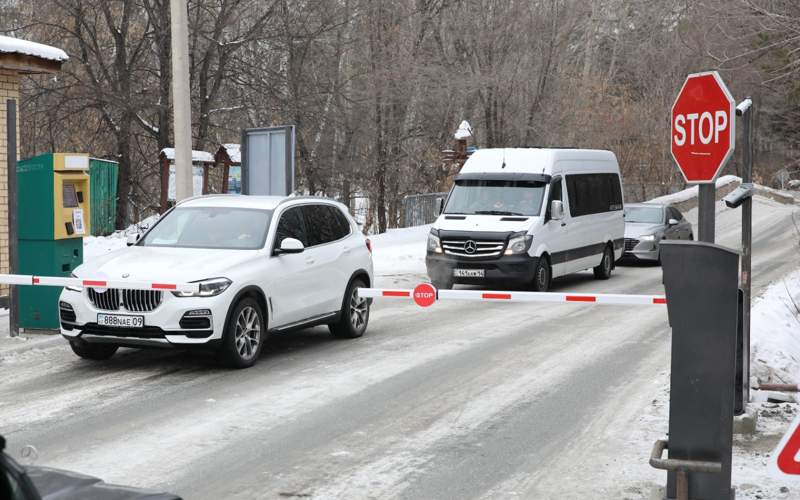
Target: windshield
649	215
487	197
210	227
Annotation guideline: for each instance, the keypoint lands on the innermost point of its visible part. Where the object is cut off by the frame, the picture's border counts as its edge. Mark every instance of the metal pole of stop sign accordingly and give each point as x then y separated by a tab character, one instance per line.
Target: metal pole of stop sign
705	212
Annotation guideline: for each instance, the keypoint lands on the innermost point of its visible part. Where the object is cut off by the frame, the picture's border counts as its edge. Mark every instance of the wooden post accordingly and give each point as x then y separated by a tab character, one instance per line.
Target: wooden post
205	178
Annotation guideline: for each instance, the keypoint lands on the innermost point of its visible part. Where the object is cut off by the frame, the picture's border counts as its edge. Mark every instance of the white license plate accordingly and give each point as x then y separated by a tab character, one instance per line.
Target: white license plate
120	320
468	273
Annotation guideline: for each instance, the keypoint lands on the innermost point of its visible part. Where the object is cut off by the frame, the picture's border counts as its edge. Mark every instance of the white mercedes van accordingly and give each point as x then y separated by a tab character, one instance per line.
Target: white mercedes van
524	216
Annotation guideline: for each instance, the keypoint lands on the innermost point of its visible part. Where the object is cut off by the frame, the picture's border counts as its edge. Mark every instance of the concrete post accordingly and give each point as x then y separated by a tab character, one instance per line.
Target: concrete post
181	99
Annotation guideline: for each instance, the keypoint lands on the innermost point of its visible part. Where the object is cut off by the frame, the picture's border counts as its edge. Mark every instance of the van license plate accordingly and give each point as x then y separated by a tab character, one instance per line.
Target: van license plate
468	273
120	320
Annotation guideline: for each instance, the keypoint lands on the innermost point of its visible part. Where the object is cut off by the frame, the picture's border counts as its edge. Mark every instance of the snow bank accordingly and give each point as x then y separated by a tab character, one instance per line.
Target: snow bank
11	45
692	192
775	332
400	251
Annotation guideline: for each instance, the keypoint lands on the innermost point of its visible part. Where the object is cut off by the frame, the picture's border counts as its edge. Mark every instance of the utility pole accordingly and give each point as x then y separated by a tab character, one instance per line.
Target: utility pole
181	100
745	110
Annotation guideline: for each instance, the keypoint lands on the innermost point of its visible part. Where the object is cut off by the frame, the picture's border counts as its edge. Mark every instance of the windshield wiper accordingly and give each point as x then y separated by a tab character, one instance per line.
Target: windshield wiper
495	212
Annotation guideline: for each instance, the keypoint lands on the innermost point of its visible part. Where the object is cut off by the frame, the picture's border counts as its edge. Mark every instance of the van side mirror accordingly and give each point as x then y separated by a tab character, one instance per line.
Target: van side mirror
439	206
132	239
672	222
290	245
556	210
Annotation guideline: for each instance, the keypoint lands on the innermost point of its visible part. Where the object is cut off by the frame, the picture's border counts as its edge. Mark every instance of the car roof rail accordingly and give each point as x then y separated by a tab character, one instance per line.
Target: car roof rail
209	195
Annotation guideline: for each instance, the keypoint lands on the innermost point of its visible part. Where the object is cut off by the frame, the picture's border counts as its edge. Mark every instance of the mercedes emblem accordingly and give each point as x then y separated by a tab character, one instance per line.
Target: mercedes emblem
470	247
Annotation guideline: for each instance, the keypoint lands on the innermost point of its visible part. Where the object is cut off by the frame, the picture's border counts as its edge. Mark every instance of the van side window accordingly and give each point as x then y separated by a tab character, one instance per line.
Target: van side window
555	194
593	193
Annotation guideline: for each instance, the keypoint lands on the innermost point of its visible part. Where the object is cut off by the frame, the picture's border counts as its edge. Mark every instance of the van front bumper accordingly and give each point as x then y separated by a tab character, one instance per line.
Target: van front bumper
518	269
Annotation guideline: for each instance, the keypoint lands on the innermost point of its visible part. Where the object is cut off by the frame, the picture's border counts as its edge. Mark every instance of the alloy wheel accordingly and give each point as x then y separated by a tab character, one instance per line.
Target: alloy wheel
359	308
248	332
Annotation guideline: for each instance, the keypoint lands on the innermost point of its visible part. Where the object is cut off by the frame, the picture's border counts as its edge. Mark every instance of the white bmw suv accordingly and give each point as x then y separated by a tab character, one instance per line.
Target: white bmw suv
263	264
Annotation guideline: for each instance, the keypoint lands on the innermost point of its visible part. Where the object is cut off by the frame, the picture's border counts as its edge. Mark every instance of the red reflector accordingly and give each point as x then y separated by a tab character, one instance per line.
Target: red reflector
496	296
369	245
395	294
94	283
581	298
659	301
163	286
35	280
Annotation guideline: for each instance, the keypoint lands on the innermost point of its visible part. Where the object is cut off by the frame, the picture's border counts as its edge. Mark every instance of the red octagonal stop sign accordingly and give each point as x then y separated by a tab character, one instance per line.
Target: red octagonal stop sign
703	133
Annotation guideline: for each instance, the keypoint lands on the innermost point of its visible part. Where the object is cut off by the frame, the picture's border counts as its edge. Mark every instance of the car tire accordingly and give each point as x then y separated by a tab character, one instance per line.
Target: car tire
244	334
603	271
95	352
354	314
542	275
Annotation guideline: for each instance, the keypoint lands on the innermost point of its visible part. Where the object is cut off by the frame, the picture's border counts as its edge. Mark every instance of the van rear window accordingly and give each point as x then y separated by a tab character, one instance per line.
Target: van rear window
495	197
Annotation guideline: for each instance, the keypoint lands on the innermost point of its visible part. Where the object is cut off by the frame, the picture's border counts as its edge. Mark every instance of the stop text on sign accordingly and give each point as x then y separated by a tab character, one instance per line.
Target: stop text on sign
704	127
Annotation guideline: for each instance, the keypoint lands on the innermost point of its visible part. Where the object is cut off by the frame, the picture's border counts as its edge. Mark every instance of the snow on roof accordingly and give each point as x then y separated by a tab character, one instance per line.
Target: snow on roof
11	45
234	152
197	156
464	131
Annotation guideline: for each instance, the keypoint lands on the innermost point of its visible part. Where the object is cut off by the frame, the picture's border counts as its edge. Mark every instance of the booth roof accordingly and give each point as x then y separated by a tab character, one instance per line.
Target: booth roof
11	45
197	156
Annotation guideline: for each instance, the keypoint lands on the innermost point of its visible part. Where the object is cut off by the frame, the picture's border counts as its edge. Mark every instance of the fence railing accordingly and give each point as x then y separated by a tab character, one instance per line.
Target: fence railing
420	209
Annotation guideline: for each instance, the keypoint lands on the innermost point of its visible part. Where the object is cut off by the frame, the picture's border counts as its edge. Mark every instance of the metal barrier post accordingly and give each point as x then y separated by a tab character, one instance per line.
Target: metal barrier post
701	283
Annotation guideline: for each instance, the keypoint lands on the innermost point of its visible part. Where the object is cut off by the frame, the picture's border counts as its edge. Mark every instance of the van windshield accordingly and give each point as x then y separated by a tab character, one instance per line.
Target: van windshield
494	197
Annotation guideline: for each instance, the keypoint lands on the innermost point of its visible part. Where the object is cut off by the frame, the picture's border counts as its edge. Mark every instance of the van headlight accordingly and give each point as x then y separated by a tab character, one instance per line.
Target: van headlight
434	243
518	243
74	288
208	288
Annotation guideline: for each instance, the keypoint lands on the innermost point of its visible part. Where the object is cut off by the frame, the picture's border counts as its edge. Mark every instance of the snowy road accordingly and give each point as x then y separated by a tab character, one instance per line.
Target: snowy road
461	400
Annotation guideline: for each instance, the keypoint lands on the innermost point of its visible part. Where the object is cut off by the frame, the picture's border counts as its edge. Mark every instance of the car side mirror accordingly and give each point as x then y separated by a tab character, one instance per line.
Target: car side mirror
673	222
439	206
290	245
556	210
132	239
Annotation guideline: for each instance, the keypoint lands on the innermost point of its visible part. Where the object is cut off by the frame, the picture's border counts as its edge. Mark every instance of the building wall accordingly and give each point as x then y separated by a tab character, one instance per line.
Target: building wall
9	88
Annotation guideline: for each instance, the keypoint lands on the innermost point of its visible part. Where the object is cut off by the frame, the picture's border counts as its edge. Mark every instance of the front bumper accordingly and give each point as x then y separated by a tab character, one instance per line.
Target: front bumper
640	250
162	326
517	269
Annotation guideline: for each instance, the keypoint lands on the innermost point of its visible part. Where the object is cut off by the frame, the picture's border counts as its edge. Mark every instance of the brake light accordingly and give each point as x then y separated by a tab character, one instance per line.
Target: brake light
369	245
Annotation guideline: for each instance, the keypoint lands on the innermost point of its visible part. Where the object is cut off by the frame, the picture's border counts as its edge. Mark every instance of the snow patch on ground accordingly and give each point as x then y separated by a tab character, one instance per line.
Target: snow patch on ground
775	337
96	246
400	251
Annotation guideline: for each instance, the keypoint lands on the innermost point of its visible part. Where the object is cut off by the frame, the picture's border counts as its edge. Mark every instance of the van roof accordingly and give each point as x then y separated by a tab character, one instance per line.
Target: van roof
531	160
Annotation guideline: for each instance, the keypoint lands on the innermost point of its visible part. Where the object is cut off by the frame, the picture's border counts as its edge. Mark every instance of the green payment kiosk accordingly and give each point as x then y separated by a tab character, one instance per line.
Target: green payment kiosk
53	216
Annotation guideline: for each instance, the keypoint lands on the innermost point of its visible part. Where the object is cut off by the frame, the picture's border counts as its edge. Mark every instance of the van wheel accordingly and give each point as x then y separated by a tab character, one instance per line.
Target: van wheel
354	314
603	271
543	275
442	284
96	352
244	335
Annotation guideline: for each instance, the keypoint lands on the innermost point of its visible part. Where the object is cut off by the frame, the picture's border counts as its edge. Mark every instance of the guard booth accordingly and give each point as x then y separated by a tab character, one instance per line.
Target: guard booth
53	214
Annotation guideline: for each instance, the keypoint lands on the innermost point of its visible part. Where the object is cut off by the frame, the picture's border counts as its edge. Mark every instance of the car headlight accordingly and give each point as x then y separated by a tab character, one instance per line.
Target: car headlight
648	237
434	243
208	288
74	288
518	243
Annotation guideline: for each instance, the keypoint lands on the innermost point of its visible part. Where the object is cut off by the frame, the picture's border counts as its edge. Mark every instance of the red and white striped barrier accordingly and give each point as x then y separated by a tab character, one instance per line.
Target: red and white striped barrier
23	279
425	295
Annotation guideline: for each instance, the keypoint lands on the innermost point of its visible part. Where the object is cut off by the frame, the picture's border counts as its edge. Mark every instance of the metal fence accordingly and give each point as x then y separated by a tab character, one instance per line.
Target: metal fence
419	209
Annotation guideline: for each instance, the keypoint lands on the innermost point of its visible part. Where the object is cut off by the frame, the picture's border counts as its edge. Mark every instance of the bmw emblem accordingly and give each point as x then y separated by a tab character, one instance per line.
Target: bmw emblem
126	275
470	247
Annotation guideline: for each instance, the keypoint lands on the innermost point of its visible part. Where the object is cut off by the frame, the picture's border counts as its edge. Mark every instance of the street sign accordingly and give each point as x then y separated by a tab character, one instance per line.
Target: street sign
703	127
424	295
784	462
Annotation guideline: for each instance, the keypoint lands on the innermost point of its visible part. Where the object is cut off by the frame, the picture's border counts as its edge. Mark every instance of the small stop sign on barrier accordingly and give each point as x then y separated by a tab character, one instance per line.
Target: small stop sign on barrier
424	295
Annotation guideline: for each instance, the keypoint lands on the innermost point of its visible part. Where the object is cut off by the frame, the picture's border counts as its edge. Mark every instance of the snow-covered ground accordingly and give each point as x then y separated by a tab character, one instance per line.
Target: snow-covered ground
775	337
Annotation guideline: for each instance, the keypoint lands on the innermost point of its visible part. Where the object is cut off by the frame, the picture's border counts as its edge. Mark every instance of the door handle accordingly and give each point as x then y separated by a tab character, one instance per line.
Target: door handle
310	261
563	224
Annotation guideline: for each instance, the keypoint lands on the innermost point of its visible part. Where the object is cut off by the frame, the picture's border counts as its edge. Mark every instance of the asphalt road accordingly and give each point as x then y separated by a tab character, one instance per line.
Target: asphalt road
462	400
